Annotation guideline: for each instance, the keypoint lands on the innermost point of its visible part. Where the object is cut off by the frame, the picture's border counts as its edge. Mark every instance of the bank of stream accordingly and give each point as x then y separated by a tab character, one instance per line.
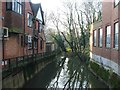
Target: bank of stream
65	72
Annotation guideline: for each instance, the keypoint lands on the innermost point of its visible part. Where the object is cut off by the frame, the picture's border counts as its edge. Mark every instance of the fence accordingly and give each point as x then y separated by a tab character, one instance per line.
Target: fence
10	65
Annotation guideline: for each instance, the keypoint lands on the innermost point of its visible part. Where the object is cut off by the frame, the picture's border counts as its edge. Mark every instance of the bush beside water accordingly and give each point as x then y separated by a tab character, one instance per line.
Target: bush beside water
113	80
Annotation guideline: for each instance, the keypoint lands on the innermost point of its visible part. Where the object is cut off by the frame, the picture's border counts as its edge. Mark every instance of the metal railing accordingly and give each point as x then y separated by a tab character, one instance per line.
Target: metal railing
12	63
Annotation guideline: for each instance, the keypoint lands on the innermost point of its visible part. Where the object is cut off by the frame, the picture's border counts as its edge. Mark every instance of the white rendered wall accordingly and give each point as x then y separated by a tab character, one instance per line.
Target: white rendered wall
107	63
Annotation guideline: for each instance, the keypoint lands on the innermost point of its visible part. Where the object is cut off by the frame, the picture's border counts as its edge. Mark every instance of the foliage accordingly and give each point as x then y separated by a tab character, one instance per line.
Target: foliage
15	30
60	42
68	49
100	71
113	79
76	23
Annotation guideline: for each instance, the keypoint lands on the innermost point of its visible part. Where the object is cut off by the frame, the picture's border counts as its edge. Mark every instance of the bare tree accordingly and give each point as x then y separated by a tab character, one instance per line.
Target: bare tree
77	21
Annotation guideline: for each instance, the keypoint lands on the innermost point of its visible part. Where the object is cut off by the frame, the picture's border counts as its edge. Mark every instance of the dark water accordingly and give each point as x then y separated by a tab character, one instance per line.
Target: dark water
65	72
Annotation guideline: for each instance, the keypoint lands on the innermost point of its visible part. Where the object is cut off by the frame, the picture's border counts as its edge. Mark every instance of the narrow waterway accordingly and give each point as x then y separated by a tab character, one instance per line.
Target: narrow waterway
65	72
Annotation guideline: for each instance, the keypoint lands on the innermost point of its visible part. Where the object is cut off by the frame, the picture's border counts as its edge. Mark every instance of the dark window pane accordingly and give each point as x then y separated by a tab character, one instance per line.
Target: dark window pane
8	5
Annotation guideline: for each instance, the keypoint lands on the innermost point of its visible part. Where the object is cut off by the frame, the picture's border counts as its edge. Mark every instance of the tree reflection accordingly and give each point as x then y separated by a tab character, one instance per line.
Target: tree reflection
71	74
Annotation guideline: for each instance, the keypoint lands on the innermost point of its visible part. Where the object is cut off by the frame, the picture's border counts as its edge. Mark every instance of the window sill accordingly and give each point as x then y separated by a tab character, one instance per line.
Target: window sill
100	47
13	11
29	48
35	48
29	26
108	48
116	49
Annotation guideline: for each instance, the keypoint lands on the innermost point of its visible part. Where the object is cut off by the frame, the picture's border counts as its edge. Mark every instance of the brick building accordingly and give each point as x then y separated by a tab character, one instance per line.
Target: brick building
0	30
105	37
1	18
39	36
23	37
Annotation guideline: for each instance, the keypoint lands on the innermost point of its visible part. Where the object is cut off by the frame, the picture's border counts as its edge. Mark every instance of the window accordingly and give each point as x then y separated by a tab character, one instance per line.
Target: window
41	44
29	17
29	45
8	5
100	37
116	2
35	43
22	41
40	27
108	34
94	38
116	31
15	5
29	42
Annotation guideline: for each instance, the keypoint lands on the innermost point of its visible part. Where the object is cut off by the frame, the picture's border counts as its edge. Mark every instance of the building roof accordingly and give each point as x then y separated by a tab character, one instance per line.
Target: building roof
35	8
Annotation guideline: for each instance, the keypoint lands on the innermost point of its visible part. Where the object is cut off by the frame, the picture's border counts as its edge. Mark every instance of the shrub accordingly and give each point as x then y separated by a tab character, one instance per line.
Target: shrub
100	71
115	81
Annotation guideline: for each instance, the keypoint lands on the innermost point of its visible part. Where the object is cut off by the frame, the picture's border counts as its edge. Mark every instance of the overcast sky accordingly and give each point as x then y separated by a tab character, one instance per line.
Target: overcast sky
48	5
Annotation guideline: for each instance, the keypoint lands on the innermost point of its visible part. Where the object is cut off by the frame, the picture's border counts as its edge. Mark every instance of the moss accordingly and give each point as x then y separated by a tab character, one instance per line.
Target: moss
113	80
14	30
100	71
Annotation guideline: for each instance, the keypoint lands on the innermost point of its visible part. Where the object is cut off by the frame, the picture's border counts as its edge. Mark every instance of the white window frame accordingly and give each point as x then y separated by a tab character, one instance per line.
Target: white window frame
116	33
100	32
17	6
29	42
29	39
94	38
29	19
5	28
108	36
116	2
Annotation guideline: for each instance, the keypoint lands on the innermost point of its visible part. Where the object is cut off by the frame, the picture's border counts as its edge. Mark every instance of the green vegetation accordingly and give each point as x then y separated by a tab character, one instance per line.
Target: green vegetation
113	80
15	30
100	71
68	49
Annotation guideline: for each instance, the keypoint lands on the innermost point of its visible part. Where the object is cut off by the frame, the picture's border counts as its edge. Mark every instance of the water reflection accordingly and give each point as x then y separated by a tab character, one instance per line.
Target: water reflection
74	74
65	72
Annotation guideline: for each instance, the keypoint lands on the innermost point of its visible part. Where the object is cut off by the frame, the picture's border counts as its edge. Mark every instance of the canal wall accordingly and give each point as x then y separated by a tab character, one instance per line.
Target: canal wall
22	75
110	78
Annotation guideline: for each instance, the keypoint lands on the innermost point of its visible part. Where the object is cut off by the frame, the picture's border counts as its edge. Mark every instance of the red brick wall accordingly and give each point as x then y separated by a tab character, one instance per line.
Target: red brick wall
109	17
0	29
28	30
12	46
119	33
12	19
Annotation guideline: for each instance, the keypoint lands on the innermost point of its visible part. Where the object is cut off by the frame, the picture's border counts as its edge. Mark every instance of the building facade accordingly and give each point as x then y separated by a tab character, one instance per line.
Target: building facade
22	29
0	30
1	18
105	37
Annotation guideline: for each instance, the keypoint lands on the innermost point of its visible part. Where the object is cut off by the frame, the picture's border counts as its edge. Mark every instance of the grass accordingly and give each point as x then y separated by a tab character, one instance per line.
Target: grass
100	71
113	80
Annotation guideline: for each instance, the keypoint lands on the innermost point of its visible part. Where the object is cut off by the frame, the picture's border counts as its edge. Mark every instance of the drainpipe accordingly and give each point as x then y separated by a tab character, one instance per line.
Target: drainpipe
24	31
33	22
3	46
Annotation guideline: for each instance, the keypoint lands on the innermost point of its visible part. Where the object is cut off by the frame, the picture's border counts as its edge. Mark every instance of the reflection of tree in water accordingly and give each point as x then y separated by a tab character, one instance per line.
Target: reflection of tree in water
74	74
77	74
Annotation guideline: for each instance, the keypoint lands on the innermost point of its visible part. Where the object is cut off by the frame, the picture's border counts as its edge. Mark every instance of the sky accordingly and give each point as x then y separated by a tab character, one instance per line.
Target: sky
48	5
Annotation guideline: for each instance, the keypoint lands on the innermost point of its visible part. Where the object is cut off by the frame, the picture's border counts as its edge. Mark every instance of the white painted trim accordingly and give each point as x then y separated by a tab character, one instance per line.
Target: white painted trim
39	15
